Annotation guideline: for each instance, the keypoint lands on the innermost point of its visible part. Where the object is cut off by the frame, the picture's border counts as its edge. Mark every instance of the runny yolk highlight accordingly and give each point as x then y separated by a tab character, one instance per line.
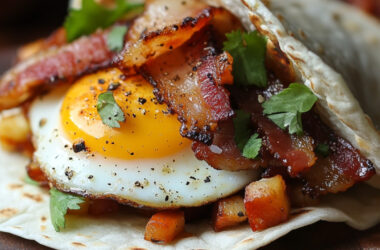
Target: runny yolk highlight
149	130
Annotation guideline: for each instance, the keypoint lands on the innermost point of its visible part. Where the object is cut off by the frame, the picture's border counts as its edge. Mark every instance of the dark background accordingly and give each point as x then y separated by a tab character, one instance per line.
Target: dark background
23	21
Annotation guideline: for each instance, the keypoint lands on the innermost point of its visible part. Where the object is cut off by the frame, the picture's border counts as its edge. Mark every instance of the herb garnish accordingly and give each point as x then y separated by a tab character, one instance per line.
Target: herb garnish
285	108
59	204
92	16
109	110
322	149
252	147
248	51
248	145
30	181
115	39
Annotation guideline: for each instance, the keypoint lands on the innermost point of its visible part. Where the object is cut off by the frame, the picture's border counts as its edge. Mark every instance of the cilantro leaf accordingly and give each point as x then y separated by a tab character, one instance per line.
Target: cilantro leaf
252	147
115	39
248	51
285	108
92	16
242	129
30	181
322	149
109	110
59	203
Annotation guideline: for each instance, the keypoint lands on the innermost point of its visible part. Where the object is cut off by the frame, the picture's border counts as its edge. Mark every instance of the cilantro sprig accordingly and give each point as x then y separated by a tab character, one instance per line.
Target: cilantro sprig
115	38
323	149
248	51
59	204
248	145
252	147
92	16
285	108
109	110
30	181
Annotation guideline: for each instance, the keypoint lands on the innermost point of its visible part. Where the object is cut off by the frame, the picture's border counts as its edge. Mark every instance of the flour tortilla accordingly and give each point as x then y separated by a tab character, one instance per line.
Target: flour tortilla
24	209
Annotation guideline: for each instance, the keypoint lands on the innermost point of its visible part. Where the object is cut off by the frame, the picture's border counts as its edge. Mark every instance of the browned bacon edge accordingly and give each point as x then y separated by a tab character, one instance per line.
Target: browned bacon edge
66	63
188	81
341	169
156	43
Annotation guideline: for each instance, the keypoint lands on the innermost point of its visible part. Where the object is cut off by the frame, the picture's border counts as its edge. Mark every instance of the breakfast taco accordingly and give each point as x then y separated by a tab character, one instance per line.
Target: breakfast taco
191	124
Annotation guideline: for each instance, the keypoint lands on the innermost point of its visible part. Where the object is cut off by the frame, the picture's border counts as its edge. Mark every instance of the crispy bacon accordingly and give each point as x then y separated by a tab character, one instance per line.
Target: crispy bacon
188	81
63	64
160	14
341	169
155	43
295	152
224	153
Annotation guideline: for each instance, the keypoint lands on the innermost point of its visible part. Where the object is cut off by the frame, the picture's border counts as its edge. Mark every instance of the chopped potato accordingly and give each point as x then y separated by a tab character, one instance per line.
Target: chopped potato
266	203
228	212
15	132
30	49
163	227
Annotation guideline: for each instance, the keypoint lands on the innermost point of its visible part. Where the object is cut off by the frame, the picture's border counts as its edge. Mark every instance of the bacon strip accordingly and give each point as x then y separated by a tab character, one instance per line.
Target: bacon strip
188	81
224	153
295	152
155	43
63	64
341	169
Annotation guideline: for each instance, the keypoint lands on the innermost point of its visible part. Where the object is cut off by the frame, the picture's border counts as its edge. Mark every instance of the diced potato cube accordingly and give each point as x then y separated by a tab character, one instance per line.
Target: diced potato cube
266	203
228	212
163	227
14	127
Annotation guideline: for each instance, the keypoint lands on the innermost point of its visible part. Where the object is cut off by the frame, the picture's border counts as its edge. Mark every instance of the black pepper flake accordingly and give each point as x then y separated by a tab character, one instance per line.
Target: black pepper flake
132	153
42	122
69	173
113	86
134	115
142	100
79	146
152	169
137	184
187	183
101	81
207	179
90	177
70	158
192	177
167	198
109	184
240	214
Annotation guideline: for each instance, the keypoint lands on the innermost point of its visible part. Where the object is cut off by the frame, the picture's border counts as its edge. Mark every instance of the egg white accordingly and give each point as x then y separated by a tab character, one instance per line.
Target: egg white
178	180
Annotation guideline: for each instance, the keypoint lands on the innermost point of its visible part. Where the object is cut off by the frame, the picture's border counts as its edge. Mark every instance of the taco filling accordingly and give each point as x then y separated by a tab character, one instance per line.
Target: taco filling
176	110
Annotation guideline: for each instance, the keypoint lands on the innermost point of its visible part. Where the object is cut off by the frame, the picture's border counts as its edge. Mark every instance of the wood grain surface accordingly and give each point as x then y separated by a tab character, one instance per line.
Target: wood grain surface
39	19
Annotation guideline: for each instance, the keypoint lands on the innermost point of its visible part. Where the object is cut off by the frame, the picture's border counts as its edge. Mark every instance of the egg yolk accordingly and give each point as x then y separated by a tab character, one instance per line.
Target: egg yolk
149	129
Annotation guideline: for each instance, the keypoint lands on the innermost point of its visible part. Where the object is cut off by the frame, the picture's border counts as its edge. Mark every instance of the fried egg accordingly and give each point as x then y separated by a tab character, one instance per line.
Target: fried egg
145	162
